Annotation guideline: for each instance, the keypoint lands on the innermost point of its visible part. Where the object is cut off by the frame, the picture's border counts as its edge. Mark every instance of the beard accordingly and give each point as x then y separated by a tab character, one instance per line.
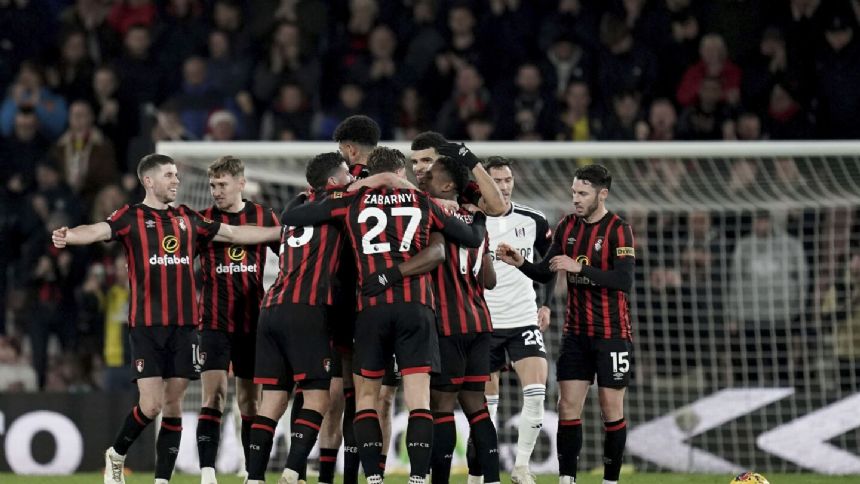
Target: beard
588	211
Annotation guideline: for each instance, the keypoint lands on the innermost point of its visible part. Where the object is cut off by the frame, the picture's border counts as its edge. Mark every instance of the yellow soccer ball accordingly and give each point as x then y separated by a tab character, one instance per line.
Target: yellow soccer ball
749	478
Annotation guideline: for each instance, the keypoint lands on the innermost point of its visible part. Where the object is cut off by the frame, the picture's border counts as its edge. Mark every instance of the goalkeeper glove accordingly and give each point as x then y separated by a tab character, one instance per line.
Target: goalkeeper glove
379	281
459	152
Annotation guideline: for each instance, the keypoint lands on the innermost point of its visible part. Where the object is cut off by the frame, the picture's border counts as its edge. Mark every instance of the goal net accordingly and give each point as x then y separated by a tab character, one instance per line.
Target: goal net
746	304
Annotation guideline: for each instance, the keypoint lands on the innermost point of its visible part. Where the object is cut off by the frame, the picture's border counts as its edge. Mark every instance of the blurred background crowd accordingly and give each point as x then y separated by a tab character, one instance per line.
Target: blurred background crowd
89	86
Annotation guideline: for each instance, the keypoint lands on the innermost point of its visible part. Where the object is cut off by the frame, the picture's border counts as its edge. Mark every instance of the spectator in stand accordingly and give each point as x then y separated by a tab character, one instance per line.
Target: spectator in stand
16	375
126	13
714	63
179	34
624	65
116	352
166	126
198	96
86	158
29	90
708	118
228	17
290	116
71	73
680	48
350	103
285	62
412	117
348	45
837	77
115	115
748	127
462	51
228	72
480	128
620	124
21	151
566	61
139	74
576	121
786	118
575	18
529	111
469	98
221	126
765	69
662	122
90	17
424	42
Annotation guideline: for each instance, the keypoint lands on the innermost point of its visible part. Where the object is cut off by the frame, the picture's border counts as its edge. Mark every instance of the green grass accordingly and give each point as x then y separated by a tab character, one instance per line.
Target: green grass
141	478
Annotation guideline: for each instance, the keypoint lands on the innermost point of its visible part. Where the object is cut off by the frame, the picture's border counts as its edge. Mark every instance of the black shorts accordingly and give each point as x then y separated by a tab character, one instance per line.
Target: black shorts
341	323
293	348
392	375
515	344
582	357
219	348
165	351
465	362
407	330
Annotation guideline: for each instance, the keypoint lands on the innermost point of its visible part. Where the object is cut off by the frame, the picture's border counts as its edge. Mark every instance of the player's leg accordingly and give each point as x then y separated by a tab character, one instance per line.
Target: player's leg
248	396
170	433
498	360
385	407
528	355
442	401
331	429
351	461
214	357
341	322
272	407
309	354
417	351
273	372
613	360
575	372
471	396
373	348
151	390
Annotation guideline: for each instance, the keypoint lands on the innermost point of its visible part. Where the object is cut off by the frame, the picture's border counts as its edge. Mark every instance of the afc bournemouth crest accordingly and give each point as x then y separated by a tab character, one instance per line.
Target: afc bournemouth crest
201	358
182	224
599	244
327	364
139	365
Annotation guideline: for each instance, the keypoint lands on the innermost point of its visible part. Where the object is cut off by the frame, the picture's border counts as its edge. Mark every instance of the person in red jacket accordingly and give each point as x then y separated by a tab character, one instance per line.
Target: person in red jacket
714	62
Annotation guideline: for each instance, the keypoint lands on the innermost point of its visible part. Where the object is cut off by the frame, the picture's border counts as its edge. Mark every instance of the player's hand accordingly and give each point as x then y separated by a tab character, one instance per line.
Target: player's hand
543	318
450	207
59	237
459	152
509	255
379	281
564	263
471	208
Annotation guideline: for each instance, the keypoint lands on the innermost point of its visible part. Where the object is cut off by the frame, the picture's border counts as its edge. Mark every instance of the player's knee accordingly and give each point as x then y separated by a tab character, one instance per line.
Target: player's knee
533	399
215	398
150	407
471	401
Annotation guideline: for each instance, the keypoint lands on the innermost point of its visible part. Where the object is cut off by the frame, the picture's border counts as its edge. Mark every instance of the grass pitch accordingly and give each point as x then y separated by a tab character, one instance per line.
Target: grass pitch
141	478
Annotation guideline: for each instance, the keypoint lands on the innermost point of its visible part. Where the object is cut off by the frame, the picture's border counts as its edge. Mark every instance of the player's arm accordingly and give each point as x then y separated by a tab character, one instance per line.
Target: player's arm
382	180
491	197
536	271
424	261
247	234
620	277
487	275
314	213
469	235
544	293
81	235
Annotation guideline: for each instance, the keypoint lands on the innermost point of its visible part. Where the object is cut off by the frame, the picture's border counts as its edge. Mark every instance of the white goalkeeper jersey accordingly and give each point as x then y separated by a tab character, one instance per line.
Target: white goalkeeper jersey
512	302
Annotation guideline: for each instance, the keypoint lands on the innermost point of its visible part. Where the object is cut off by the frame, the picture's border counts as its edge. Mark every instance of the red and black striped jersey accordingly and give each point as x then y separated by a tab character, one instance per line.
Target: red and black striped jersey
160	247
232	274
308	260
461	308
597	302
387	227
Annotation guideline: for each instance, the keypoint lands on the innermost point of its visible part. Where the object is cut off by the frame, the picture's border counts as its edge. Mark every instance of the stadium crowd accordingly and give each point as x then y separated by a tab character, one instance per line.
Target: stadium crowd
90	86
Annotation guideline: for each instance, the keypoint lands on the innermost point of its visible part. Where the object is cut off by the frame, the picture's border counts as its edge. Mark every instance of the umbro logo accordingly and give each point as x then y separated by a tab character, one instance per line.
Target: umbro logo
383	280
571	240
150	224
463	150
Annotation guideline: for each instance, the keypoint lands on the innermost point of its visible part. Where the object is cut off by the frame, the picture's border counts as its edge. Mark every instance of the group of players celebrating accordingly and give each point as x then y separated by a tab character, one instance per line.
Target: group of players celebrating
384	279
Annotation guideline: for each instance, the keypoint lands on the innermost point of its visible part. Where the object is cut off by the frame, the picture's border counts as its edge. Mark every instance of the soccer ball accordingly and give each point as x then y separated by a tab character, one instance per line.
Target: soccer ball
749	478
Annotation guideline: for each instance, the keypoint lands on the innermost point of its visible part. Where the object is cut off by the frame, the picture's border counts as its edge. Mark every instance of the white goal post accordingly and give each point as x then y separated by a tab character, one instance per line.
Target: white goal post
746	303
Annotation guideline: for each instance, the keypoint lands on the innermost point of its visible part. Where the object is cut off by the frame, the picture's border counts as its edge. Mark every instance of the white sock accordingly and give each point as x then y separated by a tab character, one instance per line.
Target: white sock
531	421
492	406
609	482
161	481
207	474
